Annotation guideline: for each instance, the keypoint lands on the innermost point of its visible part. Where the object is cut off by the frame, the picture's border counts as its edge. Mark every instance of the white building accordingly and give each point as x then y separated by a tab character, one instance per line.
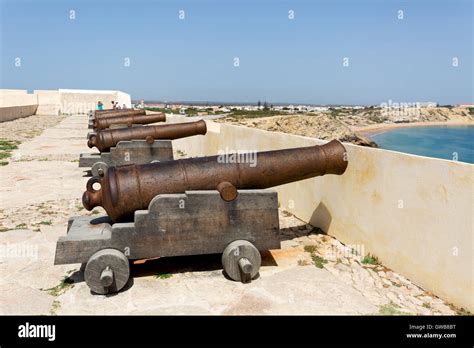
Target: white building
19	103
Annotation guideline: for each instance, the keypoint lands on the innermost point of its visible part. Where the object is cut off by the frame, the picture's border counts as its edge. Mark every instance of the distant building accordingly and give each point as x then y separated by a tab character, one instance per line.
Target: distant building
427	104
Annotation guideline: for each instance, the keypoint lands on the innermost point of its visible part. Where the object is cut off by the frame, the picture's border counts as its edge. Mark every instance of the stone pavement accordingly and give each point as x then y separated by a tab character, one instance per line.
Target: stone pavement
312	274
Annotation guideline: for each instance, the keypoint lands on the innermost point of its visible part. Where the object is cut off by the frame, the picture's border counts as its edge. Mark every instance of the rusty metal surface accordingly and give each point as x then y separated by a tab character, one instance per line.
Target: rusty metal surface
128	188
227	191
118	112
107	138
128	119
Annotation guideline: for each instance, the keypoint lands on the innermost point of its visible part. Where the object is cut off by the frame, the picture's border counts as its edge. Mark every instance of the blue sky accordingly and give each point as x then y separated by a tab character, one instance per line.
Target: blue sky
280	60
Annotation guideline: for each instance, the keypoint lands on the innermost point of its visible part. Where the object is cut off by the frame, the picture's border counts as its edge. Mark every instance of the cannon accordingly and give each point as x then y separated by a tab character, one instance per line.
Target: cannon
126	119
195	209
125	189
107	138
96	114
116	112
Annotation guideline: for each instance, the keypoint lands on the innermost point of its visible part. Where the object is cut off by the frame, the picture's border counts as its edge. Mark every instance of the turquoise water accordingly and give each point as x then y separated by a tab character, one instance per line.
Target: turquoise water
433	141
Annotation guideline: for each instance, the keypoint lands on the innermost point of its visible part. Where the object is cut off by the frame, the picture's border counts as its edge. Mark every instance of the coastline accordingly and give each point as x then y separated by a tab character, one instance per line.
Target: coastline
369	131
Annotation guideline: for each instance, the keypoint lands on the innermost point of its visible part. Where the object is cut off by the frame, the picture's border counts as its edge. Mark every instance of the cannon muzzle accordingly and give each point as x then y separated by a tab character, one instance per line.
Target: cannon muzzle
125	189
128	119
107	138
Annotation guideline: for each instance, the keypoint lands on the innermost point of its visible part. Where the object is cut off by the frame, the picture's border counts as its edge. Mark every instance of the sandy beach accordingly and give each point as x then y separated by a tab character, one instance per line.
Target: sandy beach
374	129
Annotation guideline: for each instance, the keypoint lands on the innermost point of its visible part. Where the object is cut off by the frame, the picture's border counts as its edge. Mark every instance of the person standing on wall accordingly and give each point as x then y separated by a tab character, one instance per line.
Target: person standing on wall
99	105
113	105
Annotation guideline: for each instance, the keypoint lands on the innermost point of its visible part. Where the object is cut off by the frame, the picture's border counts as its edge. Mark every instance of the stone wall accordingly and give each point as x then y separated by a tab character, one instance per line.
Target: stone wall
82	101
18	103
49	102
414	213
9	113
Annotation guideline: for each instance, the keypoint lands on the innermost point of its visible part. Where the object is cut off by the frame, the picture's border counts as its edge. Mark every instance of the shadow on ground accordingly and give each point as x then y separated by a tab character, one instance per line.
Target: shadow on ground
166	266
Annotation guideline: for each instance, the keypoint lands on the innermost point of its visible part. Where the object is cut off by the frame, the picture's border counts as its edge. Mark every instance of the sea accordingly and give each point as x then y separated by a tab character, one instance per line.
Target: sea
446	142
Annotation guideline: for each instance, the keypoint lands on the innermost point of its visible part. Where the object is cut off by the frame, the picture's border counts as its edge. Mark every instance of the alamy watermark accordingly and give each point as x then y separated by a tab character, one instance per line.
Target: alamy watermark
401	109
28	330
232	156
72	108
19	250
346	251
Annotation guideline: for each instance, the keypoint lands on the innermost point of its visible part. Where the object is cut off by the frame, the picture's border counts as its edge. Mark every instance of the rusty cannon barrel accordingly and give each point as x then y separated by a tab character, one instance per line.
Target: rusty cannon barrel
107	138
125	189
118	113
128	119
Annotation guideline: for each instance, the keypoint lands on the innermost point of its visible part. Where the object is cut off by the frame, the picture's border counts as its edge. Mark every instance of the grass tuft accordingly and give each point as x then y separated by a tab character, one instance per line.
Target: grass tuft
163	275
462	311
391	309
318	260
370	260
54	307
303	263
6	147
65	284
49	222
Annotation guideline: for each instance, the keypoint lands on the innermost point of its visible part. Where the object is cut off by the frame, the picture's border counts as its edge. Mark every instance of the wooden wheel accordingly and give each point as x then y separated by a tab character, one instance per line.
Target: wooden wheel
107	271
241	260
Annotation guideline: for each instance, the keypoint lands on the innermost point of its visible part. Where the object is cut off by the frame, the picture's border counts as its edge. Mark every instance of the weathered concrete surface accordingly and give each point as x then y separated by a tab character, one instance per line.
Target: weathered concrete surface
286	292
37	197
26	183
289	283
25	259
42	182
279	290
26	128
63	142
